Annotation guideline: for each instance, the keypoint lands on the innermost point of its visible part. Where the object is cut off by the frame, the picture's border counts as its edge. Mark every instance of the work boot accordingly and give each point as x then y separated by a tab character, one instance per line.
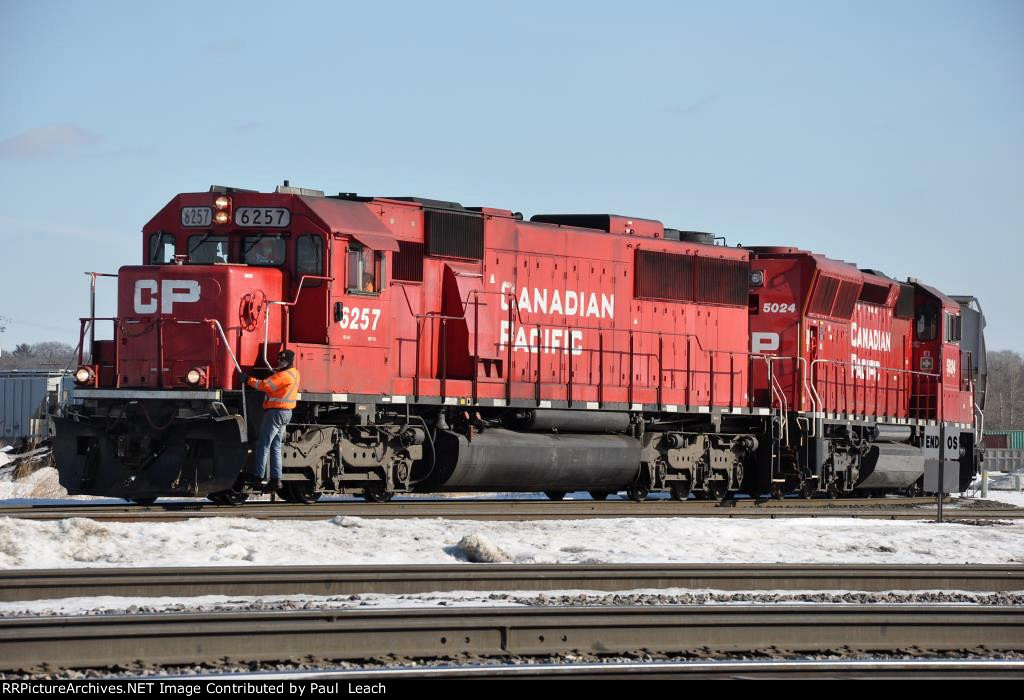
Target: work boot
244	481
272	486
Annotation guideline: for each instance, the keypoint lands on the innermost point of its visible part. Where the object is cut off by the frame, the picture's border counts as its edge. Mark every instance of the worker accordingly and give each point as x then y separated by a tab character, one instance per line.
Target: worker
281	389
368	285
264	252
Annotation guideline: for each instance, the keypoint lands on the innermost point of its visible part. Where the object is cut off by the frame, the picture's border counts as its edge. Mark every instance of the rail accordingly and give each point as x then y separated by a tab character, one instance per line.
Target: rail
355	633
334	580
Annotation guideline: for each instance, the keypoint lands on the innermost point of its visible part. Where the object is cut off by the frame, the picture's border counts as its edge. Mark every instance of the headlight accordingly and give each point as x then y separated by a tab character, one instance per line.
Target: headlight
222	202
221	217
194	376
756	278
85	375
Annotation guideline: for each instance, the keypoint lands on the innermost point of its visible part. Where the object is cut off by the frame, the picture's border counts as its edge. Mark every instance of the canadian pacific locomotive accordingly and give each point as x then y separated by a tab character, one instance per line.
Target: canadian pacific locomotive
446	348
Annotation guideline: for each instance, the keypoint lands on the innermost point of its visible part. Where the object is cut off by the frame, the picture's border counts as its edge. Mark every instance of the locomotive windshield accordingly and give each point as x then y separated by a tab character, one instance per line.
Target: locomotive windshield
927	323
263	250
161	249
207	249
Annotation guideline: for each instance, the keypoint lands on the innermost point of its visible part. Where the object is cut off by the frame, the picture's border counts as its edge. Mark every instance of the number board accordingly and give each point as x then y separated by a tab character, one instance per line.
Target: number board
263	217
196	216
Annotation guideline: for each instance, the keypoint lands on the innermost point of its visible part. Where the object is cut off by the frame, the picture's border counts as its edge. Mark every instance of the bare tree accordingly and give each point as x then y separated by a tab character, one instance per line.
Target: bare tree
49	355
1004	408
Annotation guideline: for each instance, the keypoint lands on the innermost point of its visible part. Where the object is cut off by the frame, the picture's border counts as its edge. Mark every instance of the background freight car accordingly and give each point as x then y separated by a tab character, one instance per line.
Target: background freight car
28	398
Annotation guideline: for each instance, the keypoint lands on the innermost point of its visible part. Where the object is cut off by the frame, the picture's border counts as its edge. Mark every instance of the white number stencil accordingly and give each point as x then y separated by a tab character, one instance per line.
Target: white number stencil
355	318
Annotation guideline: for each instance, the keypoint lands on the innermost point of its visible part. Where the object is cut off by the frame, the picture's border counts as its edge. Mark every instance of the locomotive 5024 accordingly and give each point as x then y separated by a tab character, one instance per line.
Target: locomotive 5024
448	348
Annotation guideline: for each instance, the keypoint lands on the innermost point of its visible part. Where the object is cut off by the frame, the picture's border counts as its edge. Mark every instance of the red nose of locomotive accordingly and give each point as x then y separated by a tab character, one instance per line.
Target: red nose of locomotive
175	321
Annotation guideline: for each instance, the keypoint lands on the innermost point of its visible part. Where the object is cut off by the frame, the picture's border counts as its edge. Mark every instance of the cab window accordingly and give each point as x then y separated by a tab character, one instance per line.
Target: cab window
263	250
207	249
952	328
926	324
366	273
309	258
161	249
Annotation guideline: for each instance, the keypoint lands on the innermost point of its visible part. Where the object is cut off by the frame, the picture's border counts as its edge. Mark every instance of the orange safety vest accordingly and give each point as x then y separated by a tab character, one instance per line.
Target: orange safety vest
281	388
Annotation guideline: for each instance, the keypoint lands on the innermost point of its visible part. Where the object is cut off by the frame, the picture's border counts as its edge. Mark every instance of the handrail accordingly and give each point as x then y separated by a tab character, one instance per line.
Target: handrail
266	316
877	370
92	305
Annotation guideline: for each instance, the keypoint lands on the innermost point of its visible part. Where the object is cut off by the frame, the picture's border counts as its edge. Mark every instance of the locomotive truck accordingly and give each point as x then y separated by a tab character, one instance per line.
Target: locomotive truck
446	348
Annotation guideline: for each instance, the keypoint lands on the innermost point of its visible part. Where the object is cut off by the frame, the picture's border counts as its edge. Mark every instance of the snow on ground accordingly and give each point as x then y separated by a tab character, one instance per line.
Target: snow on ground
42	483
80	542
1013	498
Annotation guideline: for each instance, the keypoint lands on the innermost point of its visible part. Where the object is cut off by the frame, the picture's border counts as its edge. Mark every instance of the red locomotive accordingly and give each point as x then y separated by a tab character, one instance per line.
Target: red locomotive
445	348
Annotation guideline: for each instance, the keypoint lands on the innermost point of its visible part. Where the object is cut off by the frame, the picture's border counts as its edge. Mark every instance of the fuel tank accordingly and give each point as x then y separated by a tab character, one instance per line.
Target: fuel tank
559	421
505	460
891	466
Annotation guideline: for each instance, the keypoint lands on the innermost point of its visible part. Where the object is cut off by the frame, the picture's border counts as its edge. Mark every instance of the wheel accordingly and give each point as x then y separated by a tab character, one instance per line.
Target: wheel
555	495
716	490
143	501
599	495
681	491
778	492
637	493
914	490
299	492
832	490
377	494
806	489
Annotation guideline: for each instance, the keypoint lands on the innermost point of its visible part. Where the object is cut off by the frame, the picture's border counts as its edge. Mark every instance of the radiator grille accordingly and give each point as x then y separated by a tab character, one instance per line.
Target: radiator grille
723	281
663	276
905	304
690	278
409	262
454	235
846	300
874	293
824	295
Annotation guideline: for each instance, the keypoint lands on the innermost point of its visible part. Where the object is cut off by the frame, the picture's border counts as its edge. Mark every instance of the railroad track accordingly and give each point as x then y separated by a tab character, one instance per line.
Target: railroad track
887	509
20	585
103	641
876	669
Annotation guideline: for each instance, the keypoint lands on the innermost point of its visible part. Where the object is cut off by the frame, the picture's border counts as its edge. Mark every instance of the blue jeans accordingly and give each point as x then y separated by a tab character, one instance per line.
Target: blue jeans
275	420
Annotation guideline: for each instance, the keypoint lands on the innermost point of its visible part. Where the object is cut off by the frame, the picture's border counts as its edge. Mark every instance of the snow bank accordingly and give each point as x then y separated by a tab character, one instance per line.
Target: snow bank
478	549
42	483
80	542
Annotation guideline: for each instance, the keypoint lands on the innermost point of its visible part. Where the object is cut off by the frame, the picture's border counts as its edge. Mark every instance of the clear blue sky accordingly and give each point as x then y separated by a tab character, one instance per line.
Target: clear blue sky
886	133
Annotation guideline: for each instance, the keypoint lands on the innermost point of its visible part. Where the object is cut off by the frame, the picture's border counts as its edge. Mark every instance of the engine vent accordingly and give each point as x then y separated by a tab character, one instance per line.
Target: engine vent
663	276
824	295
409	262
673	277
722	281
846	300
874	293
455	235
905	304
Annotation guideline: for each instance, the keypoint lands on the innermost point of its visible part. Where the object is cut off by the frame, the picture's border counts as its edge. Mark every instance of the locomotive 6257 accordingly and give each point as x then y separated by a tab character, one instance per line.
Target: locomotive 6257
445	348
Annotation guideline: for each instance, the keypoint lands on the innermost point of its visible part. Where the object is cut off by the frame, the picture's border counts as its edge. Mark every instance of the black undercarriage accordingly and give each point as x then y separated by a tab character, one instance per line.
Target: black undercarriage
141	449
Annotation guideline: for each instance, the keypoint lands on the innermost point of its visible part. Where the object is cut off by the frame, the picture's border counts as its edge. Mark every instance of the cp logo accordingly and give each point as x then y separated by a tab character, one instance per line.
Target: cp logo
167	292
